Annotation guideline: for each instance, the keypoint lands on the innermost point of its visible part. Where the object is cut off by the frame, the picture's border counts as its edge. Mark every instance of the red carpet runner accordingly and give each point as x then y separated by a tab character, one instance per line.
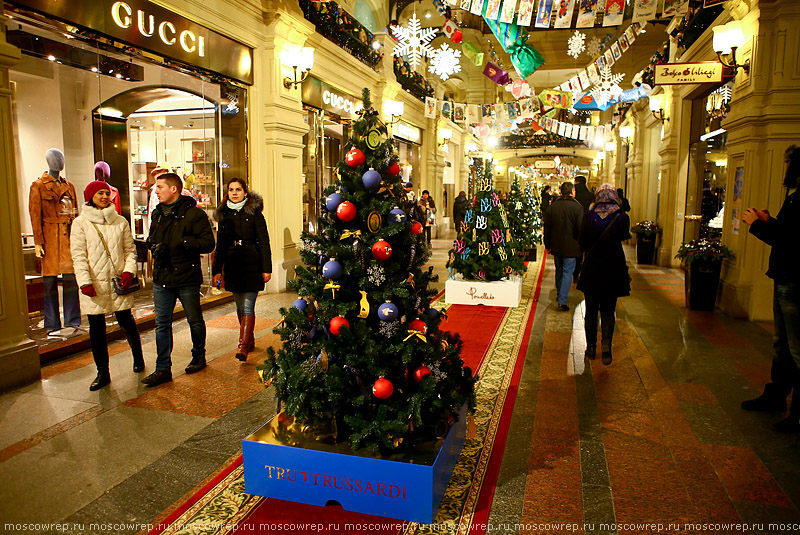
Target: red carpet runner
495	343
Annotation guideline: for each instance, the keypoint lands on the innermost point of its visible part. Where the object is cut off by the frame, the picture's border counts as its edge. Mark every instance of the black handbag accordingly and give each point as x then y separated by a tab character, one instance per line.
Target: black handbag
134	286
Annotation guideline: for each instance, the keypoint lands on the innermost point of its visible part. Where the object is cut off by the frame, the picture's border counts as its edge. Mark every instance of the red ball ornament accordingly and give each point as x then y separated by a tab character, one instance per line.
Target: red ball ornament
354	158
382	250
346	211
421	372
394	169
336	324
382	388
416	228
418	325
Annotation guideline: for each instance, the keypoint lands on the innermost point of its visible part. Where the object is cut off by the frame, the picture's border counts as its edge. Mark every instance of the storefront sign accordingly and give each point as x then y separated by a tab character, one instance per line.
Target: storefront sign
406	131
544	164
321	95
151	27
708	72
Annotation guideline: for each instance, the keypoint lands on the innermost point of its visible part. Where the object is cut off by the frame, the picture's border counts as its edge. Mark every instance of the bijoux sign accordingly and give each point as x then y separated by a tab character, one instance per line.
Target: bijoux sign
151	27
706	72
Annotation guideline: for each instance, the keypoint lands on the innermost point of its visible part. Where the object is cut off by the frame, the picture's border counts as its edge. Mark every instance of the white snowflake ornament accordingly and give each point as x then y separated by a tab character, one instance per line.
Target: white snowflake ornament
608	86
593	47
445	62
413	41
576	44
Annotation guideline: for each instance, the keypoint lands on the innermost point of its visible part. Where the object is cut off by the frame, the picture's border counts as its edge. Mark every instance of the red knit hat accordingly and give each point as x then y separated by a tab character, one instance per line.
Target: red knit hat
94	187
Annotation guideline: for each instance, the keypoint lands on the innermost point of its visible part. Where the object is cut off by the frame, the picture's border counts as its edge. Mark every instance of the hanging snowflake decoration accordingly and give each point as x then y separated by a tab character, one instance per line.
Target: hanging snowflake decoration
608	86
445	62
576	44
388	328
376	275
413	41
593	47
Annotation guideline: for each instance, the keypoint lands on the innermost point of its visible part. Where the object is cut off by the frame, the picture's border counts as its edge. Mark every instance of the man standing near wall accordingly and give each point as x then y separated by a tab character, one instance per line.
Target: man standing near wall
582	193
562	223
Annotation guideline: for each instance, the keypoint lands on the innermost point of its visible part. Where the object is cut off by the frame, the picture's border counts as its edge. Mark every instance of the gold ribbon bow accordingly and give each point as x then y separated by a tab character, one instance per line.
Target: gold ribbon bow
384	187
332	286
412	333
347	233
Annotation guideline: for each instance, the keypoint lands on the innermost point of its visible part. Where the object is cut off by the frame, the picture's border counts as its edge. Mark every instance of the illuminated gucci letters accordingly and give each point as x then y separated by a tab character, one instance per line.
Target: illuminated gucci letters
122	14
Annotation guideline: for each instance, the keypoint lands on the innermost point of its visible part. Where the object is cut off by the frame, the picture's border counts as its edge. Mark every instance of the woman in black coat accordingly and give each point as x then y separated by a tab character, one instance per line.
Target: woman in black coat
243	258
604	275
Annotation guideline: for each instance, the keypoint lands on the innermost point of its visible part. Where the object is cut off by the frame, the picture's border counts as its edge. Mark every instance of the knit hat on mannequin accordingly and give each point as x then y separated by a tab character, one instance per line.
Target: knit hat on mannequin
93	188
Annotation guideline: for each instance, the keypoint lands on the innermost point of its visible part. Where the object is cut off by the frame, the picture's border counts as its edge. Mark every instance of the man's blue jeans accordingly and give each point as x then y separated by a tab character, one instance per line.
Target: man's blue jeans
786	340
565	267
164	300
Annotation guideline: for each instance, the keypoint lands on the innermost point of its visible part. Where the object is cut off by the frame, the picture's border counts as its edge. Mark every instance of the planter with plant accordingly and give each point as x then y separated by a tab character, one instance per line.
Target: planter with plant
703	259
647	233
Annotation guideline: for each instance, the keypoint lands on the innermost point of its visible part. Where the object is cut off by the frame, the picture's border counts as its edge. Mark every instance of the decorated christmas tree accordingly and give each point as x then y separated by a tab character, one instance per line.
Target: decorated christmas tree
483	249
522	217
535	209
362	353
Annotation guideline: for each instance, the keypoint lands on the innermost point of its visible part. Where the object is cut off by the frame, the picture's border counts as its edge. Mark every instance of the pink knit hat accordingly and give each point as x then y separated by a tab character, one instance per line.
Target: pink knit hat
94	187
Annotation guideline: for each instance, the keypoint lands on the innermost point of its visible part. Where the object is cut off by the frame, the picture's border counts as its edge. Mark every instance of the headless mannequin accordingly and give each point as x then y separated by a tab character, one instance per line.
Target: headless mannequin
55	164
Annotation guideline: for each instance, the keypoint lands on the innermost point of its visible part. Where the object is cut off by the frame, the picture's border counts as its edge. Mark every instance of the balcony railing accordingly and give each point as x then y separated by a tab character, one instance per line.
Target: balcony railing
411	81
339	26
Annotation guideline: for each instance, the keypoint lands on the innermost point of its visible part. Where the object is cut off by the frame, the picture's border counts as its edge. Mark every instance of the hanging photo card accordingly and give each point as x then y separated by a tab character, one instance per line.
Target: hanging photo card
583	78
564	13
543	15
615	51
473	113
582	133
675	7
594	74
562	129
447	108
644	10
511	110
623	43
525	12
486	111
500	112
587	12
430	107
590	133
477	7
609	57
509	8
601	62
459	115
615	9
630	34
465	4
493	9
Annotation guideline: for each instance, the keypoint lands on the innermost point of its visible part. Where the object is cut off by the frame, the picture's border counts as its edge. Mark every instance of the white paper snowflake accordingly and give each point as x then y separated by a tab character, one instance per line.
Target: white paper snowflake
593	47
413	41
445	62
576	44
608	86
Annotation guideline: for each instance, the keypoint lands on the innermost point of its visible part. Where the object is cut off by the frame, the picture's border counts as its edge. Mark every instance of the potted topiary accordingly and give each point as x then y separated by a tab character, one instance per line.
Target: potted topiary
703	259
647	233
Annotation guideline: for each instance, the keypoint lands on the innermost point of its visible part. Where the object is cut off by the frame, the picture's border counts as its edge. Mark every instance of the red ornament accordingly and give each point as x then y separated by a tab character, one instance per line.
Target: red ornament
421	372
418	325
416	227
382	388
354	157
394	169
457	36
346	211
382	250
337	322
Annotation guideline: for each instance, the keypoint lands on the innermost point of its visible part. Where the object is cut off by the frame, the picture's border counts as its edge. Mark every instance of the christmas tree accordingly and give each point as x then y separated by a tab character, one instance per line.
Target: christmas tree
522	217
362	350
535	208
483	248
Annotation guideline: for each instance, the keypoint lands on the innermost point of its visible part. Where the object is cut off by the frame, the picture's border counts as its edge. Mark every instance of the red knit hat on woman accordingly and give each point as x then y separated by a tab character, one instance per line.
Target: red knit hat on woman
93	187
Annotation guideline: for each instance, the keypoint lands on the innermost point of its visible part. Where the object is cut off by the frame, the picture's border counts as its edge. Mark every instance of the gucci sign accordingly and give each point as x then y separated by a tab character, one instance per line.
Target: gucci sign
121	14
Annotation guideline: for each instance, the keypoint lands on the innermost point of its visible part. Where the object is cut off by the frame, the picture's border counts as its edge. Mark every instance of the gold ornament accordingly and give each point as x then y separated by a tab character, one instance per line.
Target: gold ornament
323	361
364	304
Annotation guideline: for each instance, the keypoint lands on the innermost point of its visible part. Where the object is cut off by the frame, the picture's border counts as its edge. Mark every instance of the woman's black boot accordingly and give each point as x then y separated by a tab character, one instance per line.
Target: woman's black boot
103	378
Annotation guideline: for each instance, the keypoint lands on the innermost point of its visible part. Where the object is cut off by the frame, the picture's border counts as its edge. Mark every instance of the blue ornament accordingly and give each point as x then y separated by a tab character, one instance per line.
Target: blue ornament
333	200
397	215
299	304
371	179
332	270
432	312
387	311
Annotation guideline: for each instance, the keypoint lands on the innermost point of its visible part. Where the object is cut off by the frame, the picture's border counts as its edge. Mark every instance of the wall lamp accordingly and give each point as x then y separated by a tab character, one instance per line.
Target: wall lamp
625	132
657	107
393	109
445	135
297	58
727	38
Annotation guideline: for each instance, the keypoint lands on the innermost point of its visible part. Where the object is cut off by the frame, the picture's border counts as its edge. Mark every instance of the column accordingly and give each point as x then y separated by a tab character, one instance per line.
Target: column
19	357
672	180
637	179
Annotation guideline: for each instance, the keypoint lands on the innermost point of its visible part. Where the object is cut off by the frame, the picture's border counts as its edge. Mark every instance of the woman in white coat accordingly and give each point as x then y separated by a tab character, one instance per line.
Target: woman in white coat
96	263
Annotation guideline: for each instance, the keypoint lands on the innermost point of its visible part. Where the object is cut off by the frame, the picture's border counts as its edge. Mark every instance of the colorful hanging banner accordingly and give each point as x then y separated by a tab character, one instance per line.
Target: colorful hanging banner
644	10
564	13
615	9
507	15
587	12
543	15
525	12
675	7
493	9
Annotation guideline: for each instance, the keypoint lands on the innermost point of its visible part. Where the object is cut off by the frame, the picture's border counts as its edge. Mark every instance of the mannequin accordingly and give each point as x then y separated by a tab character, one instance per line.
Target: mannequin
53	206
102	172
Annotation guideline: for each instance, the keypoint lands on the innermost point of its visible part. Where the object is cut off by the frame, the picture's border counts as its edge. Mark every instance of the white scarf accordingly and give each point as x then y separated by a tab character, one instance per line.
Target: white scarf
237	205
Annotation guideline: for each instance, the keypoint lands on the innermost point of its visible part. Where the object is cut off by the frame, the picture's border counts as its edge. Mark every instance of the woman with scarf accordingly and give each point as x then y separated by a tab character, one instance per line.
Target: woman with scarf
604	275
243	260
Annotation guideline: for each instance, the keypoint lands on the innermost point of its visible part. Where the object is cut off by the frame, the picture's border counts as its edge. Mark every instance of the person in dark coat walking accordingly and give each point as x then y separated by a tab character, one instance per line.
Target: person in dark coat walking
624	204
582	193
179	233
562	223
460	209
244	259
546	199
784	269
604	275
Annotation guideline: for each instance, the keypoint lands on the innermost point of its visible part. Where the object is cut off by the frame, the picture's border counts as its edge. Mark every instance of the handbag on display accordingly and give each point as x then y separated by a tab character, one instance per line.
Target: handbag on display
134	286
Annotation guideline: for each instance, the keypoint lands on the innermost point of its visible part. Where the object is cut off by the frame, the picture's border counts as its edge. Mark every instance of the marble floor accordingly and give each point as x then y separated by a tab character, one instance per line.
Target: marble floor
655	439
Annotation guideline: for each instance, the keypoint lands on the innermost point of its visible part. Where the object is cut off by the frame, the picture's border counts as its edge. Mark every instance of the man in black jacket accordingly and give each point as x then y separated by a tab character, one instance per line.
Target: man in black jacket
582	193
562	224
179	233
460	209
